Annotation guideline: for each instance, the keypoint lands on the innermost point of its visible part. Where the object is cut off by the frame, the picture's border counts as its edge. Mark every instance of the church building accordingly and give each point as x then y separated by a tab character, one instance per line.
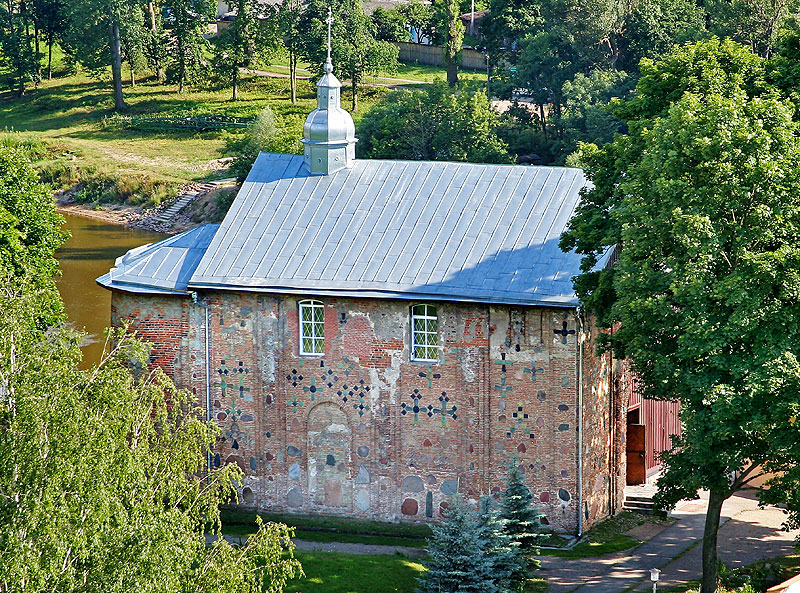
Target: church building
374	336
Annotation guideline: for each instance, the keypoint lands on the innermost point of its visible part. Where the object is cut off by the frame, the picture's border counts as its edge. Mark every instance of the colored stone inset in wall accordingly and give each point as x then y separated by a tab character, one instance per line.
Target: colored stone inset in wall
533	371
413	407
564	332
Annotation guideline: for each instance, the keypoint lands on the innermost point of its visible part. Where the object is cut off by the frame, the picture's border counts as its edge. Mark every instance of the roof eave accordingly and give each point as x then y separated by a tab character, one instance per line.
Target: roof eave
556	301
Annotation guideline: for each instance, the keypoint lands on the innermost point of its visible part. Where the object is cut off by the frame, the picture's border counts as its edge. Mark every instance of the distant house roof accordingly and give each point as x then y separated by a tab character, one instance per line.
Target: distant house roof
398	229
161	268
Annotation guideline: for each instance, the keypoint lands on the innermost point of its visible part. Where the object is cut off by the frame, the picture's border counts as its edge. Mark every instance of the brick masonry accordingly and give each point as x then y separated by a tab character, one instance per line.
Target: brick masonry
365	431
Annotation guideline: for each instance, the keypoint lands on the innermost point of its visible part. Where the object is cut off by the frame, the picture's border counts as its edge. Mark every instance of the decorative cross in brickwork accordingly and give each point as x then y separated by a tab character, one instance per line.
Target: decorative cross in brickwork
503	362
347	366
363	391
295	378
414	407
223	372
442	409
564	332
313	389
329	378
502	387
295	403
241	370
361	407
344	392
233	411
534	372
430	375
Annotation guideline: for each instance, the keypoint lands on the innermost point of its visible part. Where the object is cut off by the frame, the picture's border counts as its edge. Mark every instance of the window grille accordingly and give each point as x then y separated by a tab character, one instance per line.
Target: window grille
312	328
424	333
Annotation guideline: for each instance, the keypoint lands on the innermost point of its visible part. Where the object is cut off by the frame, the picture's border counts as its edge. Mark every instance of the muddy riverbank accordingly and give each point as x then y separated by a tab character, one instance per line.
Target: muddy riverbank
200	204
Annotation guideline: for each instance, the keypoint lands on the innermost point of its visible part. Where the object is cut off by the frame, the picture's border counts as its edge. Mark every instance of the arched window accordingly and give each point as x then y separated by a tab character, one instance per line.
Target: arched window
312	328
424	333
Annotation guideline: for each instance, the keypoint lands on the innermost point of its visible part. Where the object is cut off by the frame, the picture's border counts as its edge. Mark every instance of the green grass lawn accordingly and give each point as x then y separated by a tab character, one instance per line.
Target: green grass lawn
331	572
607	537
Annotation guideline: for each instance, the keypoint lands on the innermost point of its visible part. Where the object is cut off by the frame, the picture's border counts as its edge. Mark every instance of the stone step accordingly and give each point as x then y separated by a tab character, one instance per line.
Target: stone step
639	497
635	505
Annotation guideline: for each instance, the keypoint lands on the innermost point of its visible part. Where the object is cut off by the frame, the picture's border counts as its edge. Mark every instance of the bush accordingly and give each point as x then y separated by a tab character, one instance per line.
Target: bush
136	190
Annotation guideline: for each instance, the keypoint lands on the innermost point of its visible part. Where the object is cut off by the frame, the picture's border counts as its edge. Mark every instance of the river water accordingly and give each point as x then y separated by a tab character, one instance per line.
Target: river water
89	253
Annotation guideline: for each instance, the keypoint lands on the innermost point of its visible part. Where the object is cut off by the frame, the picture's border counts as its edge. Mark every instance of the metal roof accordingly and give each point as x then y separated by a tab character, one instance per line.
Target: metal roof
398	229
162	268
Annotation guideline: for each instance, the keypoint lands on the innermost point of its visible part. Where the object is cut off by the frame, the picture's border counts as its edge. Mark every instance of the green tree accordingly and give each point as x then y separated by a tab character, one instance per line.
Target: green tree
510	567
252	35
187	44
17	44
94	36
100	489
700	199
292	37
30	228
454	40
437	123
506	23
755	23
49	18
355	51
458	559
522	521
418	17
388	25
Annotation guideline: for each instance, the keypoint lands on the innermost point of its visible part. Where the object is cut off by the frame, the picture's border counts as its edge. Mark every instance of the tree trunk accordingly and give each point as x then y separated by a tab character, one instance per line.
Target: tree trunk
452	72
154	30
36	48
116	64
354	88
133	76
709	584
50	57
181	64
293	76
543	119
235	95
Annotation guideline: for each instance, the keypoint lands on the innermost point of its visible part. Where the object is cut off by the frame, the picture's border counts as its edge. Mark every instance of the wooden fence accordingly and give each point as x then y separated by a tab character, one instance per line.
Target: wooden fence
433	55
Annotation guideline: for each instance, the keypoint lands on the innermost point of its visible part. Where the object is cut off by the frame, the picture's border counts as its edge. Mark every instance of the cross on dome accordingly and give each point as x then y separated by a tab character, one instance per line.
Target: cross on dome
329	134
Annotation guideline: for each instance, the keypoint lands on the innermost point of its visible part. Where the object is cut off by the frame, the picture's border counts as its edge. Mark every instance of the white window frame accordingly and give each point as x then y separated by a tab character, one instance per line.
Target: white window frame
316	325
425	314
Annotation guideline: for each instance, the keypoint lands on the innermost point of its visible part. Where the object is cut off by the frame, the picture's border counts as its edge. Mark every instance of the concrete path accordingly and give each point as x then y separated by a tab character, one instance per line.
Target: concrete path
747	534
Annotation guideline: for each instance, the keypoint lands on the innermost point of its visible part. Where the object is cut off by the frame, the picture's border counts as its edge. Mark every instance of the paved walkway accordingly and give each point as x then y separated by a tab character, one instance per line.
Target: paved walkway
747	534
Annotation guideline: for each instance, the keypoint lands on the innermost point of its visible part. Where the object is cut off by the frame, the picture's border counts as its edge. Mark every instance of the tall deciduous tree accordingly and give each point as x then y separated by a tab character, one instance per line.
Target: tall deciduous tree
30	228
355	51
50	15
700	199
453	41
292	37
93	36
18	44
250	37
186	31
419	18
437	123
100	489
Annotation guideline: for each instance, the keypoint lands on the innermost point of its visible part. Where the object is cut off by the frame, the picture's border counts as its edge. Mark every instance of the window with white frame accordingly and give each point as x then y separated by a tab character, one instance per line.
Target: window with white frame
424	333
312	328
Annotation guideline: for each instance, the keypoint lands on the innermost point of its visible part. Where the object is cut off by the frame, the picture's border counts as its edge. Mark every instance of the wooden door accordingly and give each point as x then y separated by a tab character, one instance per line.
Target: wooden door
635	453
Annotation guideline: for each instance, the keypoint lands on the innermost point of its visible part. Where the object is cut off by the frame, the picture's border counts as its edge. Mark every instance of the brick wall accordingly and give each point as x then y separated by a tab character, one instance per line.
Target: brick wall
364	430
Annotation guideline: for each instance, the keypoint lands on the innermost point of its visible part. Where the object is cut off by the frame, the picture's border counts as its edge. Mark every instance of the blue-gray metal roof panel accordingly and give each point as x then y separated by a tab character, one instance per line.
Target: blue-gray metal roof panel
162	267
409	229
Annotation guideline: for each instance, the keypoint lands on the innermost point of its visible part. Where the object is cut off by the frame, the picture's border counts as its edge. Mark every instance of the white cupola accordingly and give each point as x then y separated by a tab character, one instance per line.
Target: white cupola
329	134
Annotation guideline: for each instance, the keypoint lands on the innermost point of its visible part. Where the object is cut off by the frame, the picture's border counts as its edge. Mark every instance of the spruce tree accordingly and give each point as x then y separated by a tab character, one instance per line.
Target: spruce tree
457	559
521	519
509	564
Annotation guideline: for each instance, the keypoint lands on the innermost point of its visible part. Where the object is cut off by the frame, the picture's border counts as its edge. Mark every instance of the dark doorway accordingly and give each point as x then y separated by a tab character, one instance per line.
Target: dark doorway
635	450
